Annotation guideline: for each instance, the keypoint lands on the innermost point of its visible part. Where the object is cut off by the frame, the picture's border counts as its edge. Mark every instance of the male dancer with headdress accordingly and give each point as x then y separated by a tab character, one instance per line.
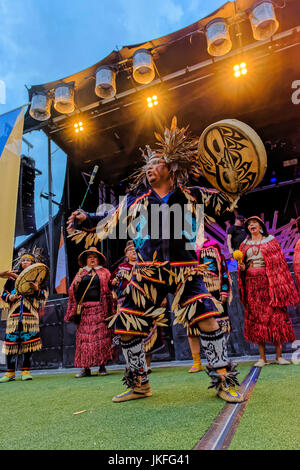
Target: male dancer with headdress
165	265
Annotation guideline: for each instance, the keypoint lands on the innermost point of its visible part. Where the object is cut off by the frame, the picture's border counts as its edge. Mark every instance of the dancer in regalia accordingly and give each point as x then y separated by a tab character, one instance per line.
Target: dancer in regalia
119	281
266	290
22	334
217	281
90	304
166	262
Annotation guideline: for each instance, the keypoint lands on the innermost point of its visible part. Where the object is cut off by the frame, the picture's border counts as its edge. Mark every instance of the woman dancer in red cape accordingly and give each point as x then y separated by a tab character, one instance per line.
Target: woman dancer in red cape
266	290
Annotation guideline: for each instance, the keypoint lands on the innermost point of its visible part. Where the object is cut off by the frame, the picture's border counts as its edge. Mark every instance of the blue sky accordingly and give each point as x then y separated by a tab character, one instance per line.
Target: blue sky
45	40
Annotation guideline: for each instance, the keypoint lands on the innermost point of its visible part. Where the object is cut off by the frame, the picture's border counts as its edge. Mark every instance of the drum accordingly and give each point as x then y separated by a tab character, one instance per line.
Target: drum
37	272
232	156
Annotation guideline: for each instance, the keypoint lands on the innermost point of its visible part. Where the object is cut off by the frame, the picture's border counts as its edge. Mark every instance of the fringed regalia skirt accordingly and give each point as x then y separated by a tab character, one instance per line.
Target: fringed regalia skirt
264	323
22	337
151	282
93	338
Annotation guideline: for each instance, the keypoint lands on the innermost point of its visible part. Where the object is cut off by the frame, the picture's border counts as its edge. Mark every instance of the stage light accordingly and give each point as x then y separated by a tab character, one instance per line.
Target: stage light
152	101
78	127
263	20
240	69
143	67
64	98
105	82
40	106
218	37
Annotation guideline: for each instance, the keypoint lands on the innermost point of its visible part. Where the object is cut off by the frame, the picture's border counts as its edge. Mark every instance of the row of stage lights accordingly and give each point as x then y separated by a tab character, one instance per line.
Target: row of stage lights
152	102
264	25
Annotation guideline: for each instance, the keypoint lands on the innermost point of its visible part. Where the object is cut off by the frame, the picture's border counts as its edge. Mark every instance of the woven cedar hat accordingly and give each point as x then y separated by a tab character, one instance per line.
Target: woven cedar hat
258	219
129	246
92	250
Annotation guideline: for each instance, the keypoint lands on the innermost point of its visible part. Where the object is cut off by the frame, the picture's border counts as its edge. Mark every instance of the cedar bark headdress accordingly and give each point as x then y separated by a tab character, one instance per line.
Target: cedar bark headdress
179	150
36	255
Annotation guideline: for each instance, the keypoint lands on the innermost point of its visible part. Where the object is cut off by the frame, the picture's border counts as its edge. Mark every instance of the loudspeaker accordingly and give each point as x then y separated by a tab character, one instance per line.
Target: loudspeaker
25	217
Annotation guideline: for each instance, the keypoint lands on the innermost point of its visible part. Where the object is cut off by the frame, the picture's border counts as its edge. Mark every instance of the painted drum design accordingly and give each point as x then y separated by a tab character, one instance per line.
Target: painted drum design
232	156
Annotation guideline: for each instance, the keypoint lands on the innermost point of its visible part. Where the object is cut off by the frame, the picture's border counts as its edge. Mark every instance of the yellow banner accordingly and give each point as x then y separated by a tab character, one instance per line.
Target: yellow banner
11	131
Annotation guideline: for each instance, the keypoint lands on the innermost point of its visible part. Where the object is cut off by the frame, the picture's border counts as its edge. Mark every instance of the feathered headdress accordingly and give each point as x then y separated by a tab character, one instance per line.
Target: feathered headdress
179	150
35	254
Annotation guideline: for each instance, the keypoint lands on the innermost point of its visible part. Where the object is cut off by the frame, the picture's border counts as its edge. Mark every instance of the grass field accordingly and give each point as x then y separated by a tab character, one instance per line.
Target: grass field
39	414
272	417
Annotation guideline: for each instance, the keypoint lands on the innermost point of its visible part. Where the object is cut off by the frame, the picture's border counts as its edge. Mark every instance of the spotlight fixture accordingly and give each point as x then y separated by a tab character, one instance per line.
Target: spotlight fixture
152	101
64	98
143	66
78	127
40	106
105	82
218	37
240	69
263	20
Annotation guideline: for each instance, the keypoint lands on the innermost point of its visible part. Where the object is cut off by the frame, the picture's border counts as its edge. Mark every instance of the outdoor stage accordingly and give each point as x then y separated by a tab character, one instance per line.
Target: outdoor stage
199	89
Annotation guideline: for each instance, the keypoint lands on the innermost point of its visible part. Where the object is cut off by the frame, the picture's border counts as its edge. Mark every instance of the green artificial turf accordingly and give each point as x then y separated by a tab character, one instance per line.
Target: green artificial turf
39	414
272	417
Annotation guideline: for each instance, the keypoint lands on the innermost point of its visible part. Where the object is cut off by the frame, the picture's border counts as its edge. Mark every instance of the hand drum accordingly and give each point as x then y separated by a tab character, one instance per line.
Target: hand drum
35	273
232	156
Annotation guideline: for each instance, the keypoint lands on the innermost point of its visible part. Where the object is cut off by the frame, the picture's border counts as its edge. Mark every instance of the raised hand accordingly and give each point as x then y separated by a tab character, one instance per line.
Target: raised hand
76	215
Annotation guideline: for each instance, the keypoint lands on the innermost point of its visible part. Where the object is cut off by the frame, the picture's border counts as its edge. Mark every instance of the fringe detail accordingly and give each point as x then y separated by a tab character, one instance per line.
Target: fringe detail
281	286
263	322
93	338
29	324
220	381
131	377
212	283
9	349
4	312
150	340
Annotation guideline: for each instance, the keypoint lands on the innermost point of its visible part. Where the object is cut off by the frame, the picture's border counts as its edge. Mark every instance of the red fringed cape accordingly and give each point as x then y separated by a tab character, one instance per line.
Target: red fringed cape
105	295
282	290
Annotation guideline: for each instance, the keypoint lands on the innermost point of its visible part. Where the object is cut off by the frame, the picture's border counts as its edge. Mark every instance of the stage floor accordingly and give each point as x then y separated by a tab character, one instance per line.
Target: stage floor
42	413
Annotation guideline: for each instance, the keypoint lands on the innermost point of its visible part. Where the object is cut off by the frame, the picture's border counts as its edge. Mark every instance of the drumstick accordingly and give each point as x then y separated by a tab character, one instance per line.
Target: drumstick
94	172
